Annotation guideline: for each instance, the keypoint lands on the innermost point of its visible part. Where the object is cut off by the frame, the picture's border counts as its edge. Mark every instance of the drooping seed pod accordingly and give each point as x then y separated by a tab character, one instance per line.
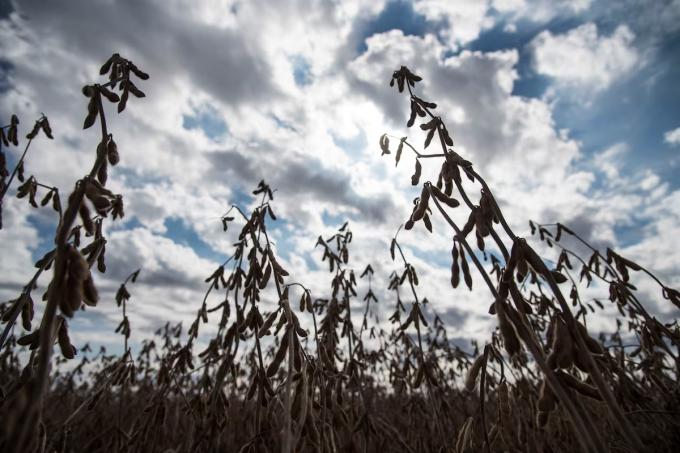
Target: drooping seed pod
45	125
67	349
112	152
297	354
455	268
85	217
510	338
421	208
298	330
123	100
11	312
264	330
90	294
138	72
110	95
92	111
32	340
280	355
78	268
27	311
106	67
416	175
46	199
134	90
465	268
579	386
34	132
449	201
71	298
593	345
101	259
473	372
562	346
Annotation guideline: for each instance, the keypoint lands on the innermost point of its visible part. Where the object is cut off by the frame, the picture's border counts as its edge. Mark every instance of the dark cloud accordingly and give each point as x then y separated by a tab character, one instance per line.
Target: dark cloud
454	317
299	181
226	63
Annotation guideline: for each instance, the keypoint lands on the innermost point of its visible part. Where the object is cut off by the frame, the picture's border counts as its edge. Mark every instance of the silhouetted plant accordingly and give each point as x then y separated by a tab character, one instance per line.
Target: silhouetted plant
262	380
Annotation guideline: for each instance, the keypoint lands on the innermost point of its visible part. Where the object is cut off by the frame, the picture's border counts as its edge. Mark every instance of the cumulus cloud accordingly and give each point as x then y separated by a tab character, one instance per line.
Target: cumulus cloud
672	137
583	58
465	20
539	10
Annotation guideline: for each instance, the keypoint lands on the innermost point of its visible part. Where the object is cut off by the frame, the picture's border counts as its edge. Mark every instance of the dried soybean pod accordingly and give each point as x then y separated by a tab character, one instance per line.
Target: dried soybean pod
465	268
46	199
110	95
297	354
510	339
416	176
579	386
32	339
563	346
420	210
78	268
265	277
26	311
112	152
267	324
441	196
473	372
106	67
92	111
298	329
280	355
67	349
84	212
90	294
593	345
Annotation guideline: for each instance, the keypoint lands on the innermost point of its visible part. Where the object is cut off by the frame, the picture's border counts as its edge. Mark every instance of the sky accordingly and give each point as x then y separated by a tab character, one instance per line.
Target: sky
570	109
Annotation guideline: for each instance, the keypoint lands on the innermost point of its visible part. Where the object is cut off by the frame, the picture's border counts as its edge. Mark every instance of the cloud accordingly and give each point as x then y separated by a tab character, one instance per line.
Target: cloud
672	137
610	160
539	11
465	20
582	58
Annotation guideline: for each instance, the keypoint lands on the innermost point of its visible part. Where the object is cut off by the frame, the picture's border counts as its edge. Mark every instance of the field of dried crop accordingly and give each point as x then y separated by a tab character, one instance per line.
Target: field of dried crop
541	382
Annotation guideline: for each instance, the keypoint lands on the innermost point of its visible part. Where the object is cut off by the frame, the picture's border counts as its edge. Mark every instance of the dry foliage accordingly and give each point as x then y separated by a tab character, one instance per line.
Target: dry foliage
541	383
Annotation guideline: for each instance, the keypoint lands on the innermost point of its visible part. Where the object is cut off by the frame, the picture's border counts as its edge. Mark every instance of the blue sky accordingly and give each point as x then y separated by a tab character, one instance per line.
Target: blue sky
569	107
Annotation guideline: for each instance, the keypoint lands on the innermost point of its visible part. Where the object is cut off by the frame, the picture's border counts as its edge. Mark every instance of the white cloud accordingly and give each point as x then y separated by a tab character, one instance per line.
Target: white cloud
539	11
582	58
610	160
672	137
465	19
